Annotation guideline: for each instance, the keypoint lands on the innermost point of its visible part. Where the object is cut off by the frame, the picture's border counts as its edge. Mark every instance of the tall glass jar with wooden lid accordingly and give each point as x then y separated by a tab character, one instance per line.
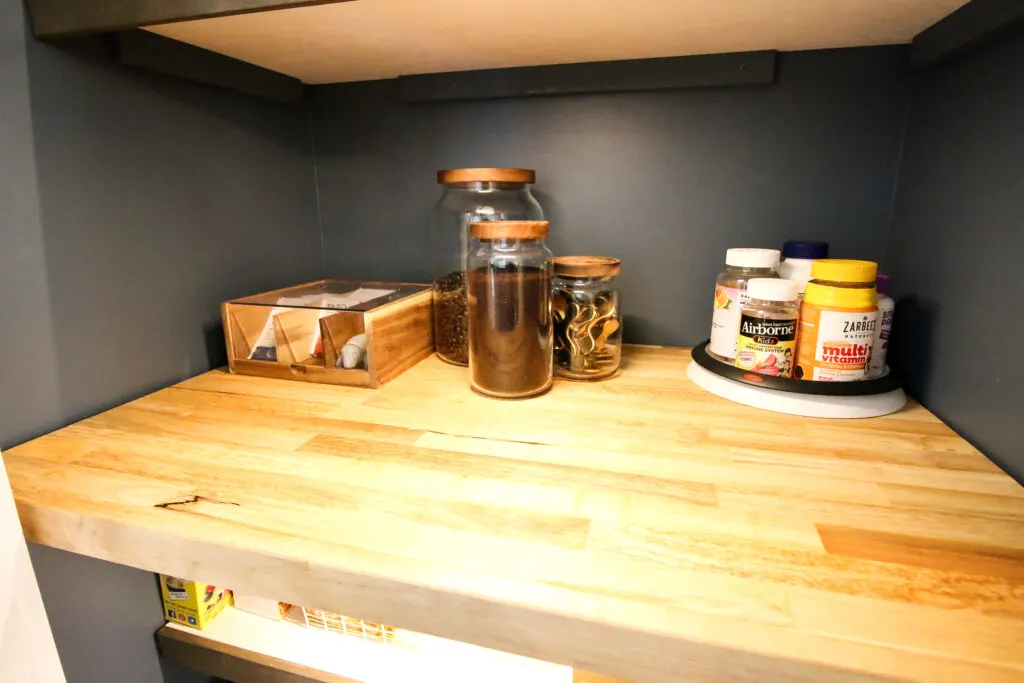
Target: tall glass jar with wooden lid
509	292
586	315
469	195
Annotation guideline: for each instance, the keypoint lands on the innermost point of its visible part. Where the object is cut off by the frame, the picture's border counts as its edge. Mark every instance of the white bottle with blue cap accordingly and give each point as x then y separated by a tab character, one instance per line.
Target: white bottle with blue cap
798	255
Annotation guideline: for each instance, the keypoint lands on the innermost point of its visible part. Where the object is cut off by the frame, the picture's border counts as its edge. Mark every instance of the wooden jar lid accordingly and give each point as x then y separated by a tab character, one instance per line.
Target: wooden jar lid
487	175
587	266
509	230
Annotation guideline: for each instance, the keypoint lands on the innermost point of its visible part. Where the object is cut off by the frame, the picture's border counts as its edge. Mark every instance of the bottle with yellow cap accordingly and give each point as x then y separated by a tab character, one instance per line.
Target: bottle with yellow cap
838	318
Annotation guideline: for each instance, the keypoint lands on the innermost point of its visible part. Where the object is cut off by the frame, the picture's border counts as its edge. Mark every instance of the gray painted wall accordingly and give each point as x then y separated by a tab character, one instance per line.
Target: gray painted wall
27	331
665	180
160	199
130	206
956	247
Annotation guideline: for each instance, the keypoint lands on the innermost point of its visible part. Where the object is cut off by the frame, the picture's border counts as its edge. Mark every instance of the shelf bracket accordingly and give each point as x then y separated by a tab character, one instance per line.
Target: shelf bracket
734	69
974	24
145	50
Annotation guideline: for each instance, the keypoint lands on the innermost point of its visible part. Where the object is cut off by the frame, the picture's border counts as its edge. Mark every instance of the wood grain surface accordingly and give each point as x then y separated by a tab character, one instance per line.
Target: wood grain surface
370	40
637	527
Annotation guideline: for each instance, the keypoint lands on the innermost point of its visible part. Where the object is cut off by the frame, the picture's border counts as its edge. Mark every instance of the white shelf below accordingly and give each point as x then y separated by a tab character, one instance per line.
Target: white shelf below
328	656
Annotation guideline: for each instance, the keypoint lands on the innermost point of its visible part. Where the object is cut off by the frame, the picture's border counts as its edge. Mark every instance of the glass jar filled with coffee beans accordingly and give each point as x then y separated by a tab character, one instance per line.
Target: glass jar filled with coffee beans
470	195
586	316
508	279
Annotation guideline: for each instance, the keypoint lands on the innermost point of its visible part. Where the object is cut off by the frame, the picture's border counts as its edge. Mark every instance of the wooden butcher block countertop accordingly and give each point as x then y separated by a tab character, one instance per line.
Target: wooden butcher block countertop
638	527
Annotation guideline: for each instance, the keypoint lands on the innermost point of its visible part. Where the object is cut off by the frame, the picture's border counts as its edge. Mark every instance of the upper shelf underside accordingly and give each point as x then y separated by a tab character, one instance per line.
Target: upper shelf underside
376	39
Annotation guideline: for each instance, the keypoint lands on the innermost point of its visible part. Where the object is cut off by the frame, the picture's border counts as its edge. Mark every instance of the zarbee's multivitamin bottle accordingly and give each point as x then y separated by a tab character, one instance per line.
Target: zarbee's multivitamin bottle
838	318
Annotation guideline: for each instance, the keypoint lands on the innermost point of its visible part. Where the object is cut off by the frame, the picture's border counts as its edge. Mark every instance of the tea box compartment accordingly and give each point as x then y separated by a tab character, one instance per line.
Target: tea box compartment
301	332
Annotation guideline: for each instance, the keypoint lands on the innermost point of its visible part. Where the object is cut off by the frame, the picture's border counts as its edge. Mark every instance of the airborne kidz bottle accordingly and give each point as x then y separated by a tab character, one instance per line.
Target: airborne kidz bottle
767	337
838	319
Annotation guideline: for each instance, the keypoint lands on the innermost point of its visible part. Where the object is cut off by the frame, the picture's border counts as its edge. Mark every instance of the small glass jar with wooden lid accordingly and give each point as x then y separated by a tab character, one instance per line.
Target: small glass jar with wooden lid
586	315
508	286
470	195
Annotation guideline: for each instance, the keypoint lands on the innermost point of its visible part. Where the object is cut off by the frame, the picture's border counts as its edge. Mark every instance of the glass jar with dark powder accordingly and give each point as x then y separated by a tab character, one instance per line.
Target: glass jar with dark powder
470	195
508	286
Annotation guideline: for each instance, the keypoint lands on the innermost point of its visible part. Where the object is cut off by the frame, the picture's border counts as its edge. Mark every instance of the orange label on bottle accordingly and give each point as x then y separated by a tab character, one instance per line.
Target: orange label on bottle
834	345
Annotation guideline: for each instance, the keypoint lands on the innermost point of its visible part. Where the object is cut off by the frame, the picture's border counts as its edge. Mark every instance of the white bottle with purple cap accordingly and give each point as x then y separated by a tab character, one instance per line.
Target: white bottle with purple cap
886	306
798	255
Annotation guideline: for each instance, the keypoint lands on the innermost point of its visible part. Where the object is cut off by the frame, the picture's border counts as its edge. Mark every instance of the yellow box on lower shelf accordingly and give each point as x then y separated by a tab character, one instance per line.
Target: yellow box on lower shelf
190	603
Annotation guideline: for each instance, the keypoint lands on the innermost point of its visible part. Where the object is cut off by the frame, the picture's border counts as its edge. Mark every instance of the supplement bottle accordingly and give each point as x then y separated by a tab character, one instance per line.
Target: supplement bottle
767	339
886	306
797	258
741	265
838	319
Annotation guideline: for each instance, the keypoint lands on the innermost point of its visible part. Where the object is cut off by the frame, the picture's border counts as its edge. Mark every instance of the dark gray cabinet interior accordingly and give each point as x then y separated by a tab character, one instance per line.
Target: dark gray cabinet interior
956	244
132	204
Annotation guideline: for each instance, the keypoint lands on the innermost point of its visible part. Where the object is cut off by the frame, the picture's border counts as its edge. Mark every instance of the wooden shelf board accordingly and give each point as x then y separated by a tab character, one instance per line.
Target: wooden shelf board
639	527
375	39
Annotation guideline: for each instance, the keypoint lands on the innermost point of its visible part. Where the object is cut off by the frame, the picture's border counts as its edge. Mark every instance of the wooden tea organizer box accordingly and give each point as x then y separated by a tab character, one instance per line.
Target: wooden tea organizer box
300	332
